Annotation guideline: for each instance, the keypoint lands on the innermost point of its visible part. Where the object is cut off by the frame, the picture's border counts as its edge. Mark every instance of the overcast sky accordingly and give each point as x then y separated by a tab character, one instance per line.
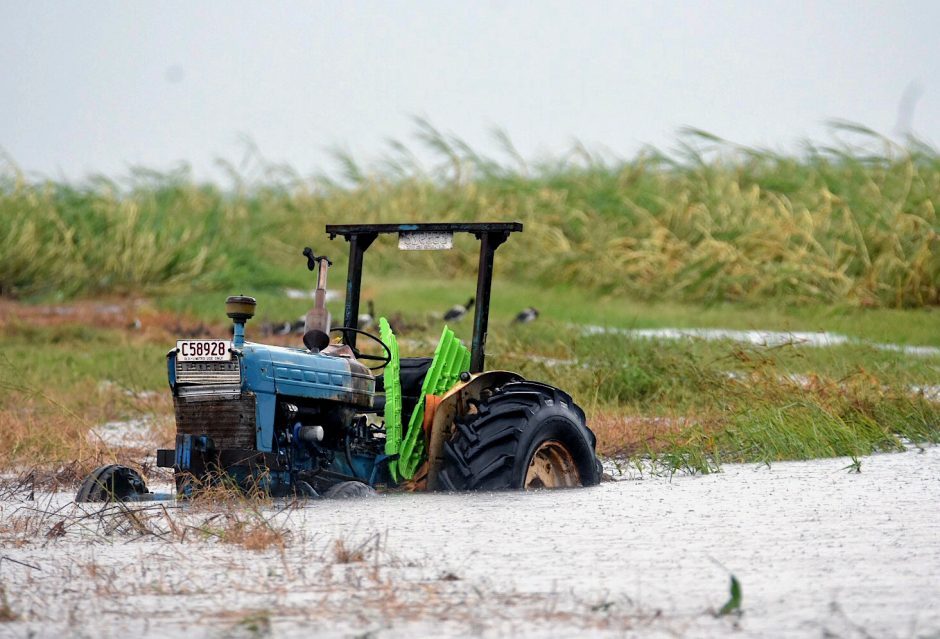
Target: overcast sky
97	86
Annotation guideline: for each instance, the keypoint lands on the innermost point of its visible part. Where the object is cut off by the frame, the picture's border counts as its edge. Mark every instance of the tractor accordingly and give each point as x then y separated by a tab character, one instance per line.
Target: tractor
328	419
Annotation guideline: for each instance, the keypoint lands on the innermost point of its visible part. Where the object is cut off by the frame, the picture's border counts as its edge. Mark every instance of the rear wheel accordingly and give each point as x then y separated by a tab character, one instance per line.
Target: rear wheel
551	467
526	435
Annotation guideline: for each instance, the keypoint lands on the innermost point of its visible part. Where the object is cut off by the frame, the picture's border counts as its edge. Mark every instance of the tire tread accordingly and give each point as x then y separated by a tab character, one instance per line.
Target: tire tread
482	452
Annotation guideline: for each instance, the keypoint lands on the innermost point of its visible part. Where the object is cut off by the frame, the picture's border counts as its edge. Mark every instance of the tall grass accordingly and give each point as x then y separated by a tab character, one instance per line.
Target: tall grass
852	223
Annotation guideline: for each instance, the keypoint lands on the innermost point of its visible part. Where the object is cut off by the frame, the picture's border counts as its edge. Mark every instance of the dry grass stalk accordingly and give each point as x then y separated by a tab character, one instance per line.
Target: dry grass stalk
343	553
6	612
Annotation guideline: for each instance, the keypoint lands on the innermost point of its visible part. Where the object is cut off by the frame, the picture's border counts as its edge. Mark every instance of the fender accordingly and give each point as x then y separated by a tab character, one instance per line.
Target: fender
454	404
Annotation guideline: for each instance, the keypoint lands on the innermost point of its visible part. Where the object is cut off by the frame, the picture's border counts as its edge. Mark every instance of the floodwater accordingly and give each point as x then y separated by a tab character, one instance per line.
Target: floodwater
818	551
818	339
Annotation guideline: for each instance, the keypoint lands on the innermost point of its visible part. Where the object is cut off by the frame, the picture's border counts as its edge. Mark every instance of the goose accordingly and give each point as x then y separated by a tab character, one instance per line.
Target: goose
287	328
401	325
526	315
192	332
267	328
367	320
456	313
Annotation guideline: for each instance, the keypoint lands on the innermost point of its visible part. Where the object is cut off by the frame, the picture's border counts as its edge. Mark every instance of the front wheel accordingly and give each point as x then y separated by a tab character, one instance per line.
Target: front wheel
112	482
526	435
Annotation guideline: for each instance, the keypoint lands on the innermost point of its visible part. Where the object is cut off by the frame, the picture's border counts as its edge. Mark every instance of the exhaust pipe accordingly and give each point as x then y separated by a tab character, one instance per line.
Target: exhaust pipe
317	321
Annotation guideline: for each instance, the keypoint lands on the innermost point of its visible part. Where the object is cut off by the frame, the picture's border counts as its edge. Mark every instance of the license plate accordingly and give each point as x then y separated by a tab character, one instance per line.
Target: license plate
425	241
203	350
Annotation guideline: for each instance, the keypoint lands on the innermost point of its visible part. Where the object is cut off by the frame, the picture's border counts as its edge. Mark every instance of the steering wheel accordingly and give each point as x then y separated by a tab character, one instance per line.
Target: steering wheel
384	360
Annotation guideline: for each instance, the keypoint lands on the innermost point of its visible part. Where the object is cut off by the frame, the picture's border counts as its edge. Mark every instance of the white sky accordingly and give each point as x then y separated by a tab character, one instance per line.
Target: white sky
97	86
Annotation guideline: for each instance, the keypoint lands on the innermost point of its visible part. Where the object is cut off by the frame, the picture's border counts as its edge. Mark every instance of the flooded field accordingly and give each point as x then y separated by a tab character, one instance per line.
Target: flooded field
814	339
818	551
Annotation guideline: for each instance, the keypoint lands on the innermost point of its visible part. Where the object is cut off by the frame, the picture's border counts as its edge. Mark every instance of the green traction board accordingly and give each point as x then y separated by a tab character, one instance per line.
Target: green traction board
451	358
392	397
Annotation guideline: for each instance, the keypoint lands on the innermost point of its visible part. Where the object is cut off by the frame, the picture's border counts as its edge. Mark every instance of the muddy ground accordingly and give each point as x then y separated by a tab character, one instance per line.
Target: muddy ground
818	550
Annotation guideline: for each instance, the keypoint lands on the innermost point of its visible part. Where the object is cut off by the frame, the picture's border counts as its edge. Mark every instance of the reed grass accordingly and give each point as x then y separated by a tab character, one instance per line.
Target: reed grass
853	223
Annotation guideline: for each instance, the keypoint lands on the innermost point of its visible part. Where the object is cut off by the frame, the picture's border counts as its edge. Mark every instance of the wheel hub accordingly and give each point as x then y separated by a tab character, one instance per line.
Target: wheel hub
552	467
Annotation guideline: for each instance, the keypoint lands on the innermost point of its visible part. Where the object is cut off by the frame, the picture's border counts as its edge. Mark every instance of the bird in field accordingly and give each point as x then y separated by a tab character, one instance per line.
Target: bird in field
526	315
456	312
367	320
286	328
401	325
190	331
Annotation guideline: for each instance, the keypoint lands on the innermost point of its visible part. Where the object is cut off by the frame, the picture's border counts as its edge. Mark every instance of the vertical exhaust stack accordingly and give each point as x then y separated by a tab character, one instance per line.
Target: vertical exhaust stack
317	321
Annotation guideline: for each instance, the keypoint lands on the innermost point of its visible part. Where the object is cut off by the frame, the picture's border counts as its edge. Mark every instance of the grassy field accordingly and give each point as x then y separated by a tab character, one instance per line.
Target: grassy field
843	239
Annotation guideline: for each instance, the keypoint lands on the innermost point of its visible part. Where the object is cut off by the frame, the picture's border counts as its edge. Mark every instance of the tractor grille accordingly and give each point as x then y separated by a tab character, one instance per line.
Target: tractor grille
208	372
229	422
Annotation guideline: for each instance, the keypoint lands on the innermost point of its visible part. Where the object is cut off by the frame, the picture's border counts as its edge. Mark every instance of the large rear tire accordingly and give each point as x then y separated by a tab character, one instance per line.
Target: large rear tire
526	435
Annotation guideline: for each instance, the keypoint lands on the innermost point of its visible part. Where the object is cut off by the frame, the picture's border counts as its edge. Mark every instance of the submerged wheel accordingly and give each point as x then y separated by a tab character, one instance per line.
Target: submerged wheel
526	435
111	483
349	490
551	467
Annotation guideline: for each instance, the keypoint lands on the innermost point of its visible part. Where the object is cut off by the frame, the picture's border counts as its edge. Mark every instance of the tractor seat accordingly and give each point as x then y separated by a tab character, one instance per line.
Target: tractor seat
413	372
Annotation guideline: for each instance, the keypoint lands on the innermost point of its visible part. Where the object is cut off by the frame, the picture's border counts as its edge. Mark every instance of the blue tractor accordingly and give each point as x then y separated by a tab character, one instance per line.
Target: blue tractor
329	419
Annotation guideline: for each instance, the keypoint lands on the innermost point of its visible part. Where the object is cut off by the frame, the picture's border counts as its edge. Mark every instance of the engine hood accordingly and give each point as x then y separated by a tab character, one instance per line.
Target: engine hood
300	373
